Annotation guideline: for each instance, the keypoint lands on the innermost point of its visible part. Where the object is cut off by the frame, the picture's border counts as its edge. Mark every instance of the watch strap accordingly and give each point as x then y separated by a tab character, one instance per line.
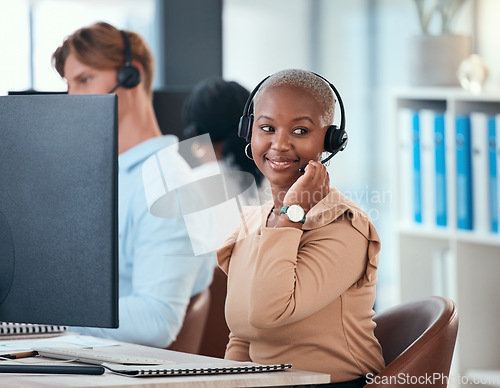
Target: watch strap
284	209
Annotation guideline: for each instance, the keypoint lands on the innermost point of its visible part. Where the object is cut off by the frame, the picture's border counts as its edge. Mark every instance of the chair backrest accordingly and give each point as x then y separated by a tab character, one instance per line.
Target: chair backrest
418	339
216	334
189	338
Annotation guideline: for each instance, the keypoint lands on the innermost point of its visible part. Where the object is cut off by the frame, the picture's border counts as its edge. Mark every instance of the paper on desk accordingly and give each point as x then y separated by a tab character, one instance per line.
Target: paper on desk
80	341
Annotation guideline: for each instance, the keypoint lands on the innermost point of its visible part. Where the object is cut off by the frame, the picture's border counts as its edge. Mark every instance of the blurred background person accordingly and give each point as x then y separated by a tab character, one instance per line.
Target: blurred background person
214	107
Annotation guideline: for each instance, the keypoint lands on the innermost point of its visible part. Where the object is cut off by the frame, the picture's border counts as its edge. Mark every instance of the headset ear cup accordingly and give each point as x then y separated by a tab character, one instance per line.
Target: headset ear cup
129	76
245	127
330	138
335	139
339	140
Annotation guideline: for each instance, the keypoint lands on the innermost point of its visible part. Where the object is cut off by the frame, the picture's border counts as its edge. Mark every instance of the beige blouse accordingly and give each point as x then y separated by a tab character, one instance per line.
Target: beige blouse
305	297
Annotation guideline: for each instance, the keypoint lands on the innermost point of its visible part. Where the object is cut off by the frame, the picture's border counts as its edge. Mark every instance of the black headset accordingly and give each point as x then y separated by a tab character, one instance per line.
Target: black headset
335	137
129	76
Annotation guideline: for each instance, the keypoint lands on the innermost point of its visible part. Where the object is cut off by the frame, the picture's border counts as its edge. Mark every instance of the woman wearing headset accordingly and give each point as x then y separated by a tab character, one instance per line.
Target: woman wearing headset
302	272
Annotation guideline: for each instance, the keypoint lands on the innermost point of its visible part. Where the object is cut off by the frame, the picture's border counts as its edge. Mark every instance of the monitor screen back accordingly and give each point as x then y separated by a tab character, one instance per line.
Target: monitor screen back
58	209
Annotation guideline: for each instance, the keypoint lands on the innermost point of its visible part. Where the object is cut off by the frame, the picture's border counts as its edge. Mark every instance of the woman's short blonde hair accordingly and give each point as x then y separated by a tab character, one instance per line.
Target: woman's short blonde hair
309	82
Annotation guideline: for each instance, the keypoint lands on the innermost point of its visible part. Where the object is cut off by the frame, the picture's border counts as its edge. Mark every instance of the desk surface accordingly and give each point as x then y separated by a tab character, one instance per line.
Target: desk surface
109	379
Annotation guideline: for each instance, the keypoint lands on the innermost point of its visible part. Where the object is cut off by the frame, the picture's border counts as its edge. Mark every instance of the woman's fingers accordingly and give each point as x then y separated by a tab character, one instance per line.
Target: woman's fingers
310	188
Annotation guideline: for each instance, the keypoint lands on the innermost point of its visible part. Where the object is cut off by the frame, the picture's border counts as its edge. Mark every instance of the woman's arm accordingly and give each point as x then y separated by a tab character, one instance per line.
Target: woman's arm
294	278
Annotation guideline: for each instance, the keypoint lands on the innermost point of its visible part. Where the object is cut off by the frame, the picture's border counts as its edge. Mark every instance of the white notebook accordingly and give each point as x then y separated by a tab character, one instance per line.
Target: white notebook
194	369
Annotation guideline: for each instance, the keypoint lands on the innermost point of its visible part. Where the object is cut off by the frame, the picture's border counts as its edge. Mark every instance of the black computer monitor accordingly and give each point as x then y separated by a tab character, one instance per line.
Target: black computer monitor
58	209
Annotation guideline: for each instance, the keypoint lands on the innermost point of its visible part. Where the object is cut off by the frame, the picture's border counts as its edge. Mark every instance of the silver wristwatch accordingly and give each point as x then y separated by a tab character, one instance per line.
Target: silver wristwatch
295	213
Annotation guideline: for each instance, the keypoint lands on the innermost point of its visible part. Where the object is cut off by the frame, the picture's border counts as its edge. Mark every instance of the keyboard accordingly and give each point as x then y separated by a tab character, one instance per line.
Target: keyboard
96	356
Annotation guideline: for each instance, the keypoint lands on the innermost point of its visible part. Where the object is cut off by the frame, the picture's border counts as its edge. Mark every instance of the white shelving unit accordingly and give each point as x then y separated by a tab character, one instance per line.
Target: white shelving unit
462	265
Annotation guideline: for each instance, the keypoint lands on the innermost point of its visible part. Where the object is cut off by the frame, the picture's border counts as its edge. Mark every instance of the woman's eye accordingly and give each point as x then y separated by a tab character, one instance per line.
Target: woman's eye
267	128
299	131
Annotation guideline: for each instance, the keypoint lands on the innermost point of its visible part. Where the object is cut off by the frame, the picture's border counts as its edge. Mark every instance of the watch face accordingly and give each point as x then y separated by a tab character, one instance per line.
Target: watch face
295	213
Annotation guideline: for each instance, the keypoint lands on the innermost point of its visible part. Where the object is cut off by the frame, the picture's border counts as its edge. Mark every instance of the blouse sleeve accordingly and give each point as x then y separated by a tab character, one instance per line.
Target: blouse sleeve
295	276
226	249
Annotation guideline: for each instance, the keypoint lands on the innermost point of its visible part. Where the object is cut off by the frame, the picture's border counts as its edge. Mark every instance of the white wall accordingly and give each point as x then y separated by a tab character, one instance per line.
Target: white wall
488	31
14	57
262	37
53	20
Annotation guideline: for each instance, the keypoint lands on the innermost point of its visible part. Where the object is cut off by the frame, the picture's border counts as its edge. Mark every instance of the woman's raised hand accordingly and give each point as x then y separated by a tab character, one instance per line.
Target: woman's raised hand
310	188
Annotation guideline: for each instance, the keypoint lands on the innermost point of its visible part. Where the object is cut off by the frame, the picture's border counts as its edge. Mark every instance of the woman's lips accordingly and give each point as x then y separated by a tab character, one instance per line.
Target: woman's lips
281	164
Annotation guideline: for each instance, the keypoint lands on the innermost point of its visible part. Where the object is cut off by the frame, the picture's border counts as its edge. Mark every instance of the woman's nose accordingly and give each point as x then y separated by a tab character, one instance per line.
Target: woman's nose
281	141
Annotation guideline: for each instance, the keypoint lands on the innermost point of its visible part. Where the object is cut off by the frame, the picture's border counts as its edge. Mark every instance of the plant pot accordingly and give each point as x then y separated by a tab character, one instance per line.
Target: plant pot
434	60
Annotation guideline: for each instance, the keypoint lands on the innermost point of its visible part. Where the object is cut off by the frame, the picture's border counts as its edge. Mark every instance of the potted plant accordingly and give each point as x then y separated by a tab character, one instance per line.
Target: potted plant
435	55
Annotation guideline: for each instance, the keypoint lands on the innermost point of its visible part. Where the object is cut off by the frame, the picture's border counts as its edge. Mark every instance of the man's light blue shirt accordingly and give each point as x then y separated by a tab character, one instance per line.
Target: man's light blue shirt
158	271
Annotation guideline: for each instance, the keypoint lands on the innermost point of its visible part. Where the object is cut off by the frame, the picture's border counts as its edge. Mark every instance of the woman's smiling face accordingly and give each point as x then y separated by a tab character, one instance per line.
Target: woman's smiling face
288	131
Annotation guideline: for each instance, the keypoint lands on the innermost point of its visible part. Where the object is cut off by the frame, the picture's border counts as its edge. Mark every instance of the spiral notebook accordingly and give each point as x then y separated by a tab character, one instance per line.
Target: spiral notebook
194	369
31	330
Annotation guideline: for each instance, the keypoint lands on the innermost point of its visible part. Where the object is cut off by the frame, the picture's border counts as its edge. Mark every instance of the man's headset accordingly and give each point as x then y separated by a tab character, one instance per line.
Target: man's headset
129	76
335	137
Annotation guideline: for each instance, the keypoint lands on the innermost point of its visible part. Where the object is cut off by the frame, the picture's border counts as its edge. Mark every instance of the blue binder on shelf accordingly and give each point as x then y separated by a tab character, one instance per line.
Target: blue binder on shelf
464	172
492	174
440	187
417	176
405	149
428	166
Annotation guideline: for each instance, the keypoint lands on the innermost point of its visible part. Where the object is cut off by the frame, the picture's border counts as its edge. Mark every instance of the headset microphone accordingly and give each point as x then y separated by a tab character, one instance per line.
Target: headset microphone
335	138
116	87
129	76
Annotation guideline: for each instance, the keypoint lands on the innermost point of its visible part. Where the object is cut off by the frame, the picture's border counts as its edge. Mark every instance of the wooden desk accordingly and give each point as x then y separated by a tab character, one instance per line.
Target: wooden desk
109	379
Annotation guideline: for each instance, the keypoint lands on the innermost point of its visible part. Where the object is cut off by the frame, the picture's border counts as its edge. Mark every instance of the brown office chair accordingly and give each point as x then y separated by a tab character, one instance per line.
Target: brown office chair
189	338
216	334
418	339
